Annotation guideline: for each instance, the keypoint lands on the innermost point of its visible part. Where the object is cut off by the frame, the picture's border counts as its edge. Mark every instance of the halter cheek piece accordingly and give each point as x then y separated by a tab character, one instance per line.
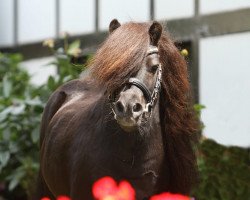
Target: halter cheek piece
150	97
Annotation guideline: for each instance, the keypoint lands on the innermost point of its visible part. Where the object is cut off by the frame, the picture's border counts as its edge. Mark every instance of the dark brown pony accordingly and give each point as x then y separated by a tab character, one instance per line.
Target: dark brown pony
129	116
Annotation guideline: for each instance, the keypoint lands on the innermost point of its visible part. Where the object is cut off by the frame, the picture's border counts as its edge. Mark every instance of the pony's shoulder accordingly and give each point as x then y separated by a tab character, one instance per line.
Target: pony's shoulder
66	92
76	85
70	92
60	97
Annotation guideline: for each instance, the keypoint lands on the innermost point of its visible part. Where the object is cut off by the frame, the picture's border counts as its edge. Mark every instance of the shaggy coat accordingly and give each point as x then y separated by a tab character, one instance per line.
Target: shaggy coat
81	142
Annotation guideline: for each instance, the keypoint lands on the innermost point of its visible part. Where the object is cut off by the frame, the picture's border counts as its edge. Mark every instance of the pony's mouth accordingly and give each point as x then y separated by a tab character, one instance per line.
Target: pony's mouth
128	128
128	124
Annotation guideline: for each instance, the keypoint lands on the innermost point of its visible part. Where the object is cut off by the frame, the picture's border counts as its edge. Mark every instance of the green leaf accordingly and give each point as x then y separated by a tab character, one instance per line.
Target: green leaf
4	114
67	78
16	177
7	86
199	107
51	83
16	57
4	158
6	134
35	134
74	45
13	147
13	183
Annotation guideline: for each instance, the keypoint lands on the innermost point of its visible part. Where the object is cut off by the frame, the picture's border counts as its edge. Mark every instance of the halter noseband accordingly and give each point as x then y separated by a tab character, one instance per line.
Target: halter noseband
150	97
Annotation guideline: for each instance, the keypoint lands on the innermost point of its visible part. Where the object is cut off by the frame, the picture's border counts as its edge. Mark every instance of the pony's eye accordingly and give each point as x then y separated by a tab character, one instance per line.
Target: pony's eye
154	68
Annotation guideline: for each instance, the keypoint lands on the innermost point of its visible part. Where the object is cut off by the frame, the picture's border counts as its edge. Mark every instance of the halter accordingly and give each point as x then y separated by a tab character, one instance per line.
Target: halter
151	98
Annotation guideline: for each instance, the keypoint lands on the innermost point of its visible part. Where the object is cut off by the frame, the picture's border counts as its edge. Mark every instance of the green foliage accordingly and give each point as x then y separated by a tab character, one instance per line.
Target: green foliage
10	73
20	113
66	68
224	172
198	108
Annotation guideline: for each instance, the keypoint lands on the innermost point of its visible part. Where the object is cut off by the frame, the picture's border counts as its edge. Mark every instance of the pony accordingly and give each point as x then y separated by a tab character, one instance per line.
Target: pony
129	116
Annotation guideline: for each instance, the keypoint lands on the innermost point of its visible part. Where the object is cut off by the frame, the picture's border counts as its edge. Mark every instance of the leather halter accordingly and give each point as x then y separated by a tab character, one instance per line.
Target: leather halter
150	97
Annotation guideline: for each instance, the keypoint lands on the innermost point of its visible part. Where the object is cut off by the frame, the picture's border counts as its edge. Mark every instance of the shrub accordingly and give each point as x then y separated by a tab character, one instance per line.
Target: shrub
20	112
224	172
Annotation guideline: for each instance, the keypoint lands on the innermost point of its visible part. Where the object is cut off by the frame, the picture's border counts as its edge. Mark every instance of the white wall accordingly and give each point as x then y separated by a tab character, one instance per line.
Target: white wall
37	17
212	6
36	20
77	16
225	88
170	9
124	11
6	23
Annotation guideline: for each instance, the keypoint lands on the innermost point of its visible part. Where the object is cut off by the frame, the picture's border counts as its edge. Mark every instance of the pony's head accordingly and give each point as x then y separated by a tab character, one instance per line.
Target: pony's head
135	61
132	104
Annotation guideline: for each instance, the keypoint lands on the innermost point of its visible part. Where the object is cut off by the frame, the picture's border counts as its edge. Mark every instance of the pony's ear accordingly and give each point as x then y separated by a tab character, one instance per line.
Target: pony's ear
114	24
154	32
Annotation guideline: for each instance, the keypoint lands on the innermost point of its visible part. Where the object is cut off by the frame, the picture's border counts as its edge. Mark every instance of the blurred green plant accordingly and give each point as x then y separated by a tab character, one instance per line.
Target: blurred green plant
21	106
224	172
20	113
198	109
70	61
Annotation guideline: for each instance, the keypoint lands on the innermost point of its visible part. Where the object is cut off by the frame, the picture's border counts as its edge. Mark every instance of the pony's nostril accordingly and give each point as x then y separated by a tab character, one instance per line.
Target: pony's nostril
137	107
119	107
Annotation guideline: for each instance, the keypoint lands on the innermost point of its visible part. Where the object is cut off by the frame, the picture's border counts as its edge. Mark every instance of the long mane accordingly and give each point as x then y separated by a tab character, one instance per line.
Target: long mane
120	58
178	118
121	55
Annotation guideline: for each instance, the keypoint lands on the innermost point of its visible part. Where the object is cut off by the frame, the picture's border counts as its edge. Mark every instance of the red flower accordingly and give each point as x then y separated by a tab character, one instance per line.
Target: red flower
58	198
107	189
125	191
169	196
104	187
63	198
45	198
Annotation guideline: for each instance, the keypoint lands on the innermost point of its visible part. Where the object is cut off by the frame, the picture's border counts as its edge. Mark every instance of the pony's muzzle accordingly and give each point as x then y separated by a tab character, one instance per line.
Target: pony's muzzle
135	108
128	109
123	110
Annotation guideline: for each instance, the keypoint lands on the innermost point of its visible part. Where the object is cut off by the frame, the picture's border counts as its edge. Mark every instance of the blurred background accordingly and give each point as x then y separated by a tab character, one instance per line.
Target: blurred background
216	35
